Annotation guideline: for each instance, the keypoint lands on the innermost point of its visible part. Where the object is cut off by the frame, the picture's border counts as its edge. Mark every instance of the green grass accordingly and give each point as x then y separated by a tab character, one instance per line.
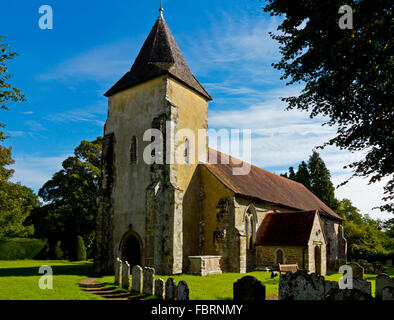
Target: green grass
220	287
333	276
216	286
19	280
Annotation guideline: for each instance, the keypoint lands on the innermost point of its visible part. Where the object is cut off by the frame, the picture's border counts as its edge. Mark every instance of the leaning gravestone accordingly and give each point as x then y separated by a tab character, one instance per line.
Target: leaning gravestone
248	288
358	271
159	288
149	281
382	281
126	276
136	283
170	289
182	291
118	271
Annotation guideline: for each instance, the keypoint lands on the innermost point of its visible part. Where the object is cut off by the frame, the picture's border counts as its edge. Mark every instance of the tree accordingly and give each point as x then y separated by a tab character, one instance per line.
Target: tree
16	201
317	178
320	181
71	195
346	74
292	175
365	236
302	175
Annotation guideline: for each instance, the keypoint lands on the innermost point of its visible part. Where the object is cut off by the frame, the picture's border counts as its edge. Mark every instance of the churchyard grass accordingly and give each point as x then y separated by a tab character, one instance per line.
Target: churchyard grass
19	280
216	286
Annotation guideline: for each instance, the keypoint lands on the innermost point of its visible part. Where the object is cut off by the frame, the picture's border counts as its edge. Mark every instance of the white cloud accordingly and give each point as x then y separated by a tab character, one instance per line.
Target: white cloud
364	196
94	114
105	62
34	171
285	138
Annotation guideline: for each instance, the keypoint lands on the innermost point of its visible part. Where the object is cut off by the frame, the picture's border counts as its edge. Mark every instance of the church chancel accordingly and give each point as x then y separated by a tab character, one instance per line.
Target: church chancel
196	216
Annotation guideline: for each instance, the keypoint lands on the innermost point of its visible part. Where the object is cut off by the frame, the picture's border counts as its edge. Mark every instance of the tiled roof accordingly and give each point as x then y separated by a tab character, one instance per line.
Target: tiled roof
286	229
266	186
160	55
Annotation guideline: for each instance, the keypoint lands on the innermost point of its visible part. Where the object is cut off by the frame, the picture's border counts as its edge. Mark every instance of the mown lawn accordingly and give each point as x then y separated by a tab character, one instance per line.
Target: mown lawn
220	287
19	280
214	287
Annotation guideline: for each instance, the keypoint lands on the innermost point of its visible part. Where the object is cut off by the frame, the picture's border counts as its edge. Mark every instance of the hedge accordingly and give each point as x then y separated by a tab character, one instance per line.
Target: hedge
20	248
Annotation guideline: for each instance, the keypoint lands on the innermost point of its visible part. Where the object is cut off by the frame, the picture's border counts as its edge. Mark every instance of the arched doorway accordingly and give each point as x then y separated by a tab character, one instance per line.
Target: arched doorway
317	259
131	250
279	256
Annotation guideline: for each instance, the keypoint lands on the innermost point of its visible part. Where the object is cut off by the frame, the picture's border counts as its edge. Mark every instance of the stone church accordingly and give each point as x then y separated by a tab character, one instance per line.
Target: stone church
197	216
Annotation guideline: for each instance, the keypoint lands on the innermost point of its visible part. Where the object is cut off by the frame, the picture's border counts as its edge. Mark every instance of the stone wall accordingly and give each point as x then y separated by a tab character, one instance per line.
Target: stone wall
103	263
266	256
336	243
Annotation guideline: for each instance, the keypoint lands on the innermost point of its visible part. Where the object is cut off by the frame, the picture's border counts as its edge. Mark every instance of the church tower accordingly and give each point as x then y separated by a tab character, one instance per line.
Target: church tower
145	208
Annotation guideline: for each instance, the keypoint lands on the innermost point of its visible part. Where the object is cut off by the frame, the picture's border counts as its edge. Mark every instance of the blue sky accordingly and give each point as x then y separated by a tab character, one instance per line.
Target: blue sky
64	73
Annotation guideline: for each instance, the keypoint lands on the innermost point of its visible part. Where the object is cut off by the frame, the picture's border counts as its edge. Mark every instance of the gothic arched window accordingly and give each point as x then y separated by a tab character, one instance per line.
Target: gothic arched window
133	150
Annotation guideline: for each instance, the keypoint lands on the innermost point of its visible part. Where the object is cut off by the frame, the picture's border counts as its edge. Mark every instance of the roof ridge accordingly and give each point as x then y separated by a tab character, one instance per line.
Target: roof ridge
277	175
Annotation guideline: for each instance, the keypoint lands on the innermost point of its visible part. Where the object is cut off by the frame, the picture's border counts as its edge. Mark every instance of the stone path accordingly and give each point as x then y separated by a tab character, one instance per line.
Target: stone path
90	285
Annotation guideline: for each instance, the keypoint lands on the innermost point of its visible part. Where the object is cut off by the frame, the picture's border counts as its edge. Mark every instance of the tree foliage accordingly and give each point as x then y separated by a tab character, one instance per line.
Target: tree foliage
366	237
347	76
16	201
317	178
70	197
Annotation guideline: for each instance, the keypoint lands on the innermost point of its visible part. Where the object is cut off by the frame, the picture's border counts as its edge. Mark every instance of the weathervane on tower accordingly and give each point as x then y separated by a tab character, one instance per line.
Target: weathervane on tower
161	9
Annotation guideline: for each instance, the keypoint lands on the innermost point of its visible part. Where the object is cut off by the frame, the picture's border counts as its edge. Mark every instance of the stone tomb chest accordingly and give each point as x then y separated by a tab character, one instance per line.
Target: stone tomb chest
204	265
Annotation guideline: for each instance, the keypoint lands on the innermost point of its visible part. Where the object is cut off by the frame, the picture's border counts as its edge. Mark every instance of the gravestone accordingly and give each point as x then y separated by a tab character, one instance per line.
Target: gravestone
348	294
182	291
149	281
389	262
304	286
126	275
358	271
362	285
118	271
170	289
160	288
388	293
136	283
248	288
363	263
382	281
378	267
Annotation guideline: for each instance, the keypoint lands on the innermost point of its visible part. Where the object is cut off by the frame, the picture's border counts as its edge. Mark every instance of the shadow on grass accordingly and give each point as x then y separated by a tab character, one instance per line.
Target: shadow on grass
82	269
112	292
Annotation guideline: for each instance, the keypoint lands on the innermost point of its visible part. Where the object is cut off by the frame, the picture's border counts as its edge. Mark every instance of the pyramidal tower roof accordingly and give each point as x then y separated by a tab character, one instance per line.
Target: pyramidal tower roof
160	55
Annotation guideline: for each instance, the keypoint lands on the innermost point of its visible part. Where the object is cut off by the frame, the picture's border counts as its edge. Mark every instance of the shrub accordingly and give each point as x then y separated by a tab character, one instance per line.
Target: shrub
20	248
80	250
59	254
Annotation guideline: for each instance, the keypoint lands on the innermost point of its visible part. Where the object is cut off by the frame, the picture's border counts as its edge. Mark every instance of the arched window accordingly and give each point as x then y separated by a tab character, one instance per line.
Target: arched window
279	256
133	150
187	151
